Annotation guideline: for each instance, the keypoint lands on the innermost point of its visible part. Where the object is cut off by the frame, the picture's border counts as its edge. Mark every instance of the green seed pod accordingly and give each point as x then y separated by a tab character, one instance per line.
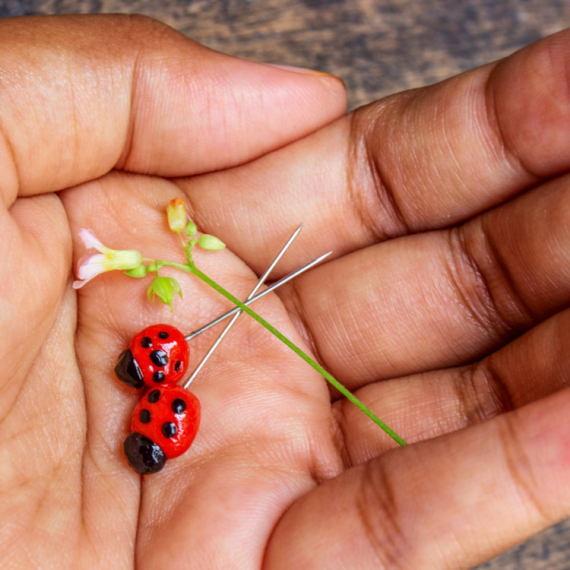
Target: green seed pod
191	229
164	288
138	272
211	243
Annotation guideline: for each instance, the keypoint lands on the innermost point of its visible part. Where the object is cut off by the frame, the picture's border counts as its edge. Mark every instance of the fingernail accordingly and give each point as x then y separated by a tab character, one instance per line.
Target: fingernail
303	70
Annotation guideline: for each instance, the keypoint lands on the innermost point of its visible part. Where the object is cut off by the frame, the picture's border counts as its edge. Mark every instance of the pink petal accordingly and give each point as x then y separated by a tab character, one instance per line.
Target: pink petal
88	267
79	284
91	266
83	260
90	240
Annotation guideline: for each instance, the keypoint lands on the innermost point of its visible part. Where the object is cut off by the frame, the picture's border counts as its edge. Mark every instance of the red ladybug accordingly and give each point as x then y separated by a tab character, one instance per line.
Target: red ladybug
164	425
158	354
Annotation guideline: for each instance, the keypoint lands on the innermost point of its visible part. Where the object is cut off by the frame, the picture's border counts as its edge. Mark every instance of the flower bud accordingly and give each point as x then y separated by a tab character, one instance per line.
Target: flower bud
138	272
191	229
164	288
176	213
212	243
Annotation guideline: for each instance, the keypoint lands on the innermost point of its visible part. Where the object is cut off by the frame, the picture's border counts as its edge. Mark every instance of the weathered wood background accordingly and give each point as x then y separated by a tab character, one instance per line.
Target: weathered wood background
378	47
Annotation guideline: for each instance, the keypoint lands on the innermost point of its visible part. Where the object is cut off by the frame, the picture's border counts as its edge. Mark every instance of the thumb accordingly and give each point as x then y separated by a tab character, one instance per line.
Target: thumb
81	95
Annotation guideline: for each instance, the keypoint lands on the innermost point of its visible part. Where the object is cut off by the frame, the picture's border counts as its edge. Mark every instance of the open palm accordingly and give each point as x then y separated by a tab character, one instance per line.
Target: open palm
420	312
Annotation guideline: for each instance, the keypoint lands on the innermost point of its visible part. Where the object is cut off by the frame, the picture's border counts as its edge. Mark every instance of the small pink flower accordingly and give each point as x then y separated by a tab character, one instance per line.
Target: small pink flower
91	265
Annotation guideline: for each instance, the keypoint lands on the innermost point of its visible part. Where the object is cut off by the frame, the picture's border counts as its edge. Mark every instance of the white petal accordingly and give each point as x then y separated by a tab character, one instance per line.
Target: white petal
90	240
93	266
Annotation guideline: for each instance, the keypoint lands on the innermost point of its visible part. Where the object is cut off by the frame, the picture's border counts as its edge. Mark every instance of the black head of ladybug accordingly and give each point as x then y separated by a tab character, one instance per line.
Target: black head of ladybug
128	371
144	456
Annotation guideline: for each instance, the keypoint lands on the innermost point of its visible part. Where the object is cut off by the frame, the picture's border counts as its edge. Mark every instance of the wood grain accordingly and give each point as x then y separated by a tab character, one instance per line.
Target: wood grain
378	47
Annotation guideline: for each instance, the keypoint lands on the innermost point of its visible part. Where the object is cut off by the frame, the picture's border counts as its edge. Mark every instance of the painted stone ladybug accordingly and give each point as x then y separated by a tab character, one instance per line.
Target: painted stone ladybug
158	354
164	425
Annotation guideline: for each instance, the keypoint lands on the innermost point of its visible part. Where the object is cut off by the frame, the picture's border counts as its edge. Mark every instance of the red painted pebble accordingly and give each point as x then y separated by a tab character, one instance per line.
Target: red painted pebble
158	354
163	425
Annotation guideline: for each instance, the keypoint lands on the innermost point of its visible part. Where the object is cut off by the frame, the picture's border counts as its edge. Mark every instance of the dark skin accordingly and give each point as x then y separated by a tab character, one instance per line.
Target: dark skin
443	309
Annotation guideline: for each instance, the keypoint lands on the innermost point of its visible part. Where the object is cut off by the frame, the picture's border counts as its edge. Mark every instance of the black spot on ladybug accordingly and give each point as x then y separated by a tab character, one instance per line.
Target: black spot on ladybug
159	357
163	334
144	455
158	376
127	370
144	416
153	396
178	406
168	429
146	342
178	365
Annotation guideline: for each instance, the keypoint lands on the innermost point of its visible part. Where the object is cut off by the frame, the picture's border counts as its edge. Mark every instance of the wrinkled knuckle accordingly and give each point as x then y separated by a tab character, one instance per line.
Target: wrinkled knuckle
482	393
380	517
470	282
502	142
373	198
483	284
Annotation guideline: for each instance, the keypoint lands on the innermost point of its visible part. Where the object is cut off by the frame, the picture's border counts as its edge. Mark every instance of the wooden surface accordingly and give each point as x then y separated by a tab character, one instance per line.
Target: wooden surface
378	47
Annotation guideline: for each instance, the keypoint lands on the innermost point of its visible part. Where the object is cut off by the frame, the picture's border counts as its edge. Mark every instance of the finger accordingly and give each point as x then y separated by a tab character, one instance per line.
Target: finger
452	502
36	255
442	401
82	95
420	160
442	298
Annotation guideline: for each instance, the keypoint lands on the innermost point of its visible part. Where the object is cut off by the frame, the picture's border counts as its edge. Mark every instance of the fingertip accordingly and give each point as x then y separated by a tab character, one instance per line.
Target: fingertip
334	82
244	110
322	84
283	103
529	92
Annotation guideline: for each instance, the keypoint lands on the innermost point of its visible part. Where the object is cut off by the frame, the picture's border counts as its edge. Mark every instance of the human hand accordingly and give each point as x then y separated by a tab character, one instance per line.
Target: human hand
448	209
402	321
117	105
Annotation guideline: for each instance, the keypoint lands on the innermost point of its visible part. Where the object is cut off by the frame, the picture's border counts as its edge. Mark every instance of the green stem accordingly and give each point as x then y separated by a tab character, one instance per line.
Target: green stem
183	266
344	391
